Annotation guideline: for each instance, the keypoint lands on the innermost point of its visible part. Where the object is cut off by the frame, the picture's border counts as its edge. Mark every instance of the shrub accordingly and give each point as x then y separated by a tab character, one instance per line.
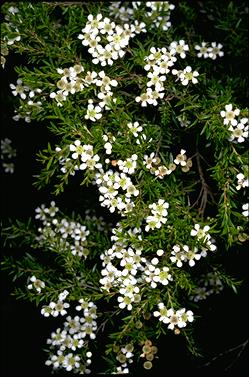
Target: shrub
146	113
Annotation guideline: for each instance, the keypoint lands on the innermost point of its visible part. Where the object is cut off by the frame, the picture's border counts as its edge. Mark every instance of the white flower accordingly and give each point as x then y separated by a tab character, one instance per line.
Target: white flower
159	212
200	233
184	317
144	98
240	132
203	50
129	165
156	80
106	100
215	50
9	167
105	83
245	208
125	302
71	362
181	158
178	256
229	115
93	112
160	252
19	89
149	160
7	149
58	307
159	208
135	128
63	295
162	313
172	319
106	26
36	283
90	78
179	48
242	181
163	276
188	75
191	255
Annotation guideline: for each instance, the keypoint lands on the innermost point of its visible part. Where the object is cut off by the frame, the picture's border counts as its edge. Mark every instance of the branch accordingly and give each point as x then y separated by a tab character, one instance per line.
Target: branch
205	190
241	347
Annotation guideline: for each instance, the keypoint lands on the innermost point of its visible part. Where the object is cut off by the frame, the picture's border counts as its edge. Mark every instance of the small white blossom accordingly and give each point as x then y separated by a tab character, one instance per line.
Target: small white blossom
19	89
36	283
242	181
229	115
179	48
181	158
93	112
203	50
188	75
240	132
215	50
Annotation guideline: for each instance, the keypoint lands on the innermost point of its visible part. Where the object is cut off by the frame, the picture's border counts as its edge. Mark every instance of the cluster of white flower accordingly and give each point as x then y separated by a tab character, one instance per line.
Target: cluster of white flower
239	128
136	129
125	357
7	153
56	308
129	165
71	339
245	209
109	183
128	257
174	319
68	83
106	40
71	82
124	268
122	11
12	33
152	162
155	275
179	255
242	181
207	51
22	90
156	13
158	65
62	233
158	215
159	13
85	154
210	283
160	171
36	284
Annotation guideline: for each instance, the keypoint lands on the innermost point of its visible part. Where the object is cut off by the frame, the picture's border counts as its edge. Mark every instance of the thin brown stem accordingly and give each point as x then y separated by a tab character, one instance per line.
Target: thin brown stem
205	190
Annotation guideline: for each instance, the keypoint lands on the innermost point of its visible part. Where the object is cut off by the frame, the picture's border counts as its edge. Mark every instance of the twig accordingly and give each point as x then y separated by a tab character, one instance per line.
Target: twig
205	191
241	347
